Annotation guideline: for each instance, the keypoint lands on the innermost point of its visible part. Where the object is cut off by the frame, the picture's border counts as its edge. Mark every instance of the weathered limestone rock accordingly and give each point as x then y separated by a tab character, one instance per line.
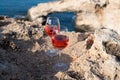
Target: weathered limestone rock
90	56
107	17
90	14
93	64
58	6
110	40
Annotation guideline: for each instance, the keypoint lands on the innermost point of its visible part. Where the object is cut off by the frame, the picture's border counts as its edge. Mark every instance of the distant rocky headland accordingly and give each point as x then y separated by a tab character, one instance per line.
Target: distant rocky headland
90	14
93	52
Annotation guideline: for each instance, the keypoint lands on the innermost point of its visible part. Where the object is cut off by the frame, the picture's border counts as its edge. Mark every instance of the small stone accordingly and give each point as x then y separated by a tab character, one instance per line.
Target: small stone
36	47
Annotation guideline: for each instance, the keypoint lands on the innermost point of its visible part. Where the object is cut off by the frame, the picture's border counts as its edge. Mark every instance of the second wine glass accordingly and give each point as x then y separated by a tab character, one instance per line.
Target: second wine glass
60	41
51	28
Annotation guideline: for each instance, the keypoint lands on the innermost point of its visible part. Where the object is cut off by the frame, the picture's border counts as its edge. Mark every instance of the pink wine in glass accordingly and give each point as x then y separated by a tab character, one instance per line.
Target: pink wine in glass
60	41
51	30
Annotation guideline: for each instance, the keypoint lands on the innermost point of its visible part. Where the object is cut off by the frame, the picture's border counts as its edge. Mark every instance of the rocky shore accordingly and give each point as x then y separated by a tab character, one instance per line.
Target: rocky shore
93	54
90	55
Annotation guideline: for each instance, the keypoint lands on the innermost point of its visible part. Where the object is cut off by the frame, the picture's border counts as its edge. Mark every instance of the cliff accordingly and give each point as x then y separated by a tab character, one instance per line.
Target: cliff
90	56
90	14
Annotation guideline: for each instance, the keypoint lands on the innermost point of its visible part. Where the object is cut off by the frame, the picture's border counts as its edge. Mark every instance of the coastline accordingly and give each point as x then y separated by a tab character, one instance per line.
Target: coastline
92	53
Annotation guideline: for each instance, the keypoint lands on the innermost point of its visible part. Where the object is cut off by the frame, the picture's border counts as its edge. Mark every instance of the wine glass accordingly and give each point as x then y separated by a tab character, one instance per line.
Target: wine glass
51	28
60	41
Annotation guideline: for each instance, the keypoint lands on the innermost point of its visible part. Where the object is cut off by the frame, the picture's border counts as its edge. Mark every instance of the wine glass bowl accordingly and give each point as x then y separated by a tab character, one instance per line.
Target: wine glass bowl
51	30
52	25
60	41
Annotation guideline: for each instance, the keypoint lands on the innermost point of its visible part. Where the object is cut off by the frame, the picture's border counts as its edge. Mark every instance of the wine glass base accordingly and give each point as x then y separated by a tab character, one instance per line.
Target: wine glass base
51	53
60	67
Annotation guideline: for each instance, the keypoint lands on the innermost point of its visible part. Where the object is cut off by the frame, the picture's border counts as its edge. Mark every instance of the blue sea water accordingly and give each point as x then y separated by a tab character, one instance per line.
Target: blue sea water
20	7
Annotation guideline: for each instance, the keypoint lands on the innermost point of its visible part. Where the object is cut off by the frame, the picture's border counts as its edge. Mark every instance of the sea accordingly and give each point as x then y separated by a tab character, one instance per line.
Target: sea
14	8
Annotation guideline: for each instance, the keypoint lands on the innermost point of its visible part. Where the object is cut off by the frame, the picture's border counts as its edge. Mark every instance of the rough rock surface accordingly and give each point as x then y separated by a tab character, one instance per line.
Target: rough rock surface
90	56
90	14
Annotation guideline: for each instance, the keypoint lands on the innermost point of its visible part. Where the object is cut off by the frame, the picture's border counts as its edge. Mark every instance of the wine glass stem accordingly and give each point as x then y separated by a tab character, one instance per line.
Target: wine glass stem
59	55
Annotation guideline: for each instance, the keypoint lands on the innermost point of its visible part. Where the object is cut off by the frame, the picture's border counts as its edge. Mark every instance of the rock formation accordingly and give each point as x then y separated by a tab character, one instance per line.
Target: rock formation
90	56
90	14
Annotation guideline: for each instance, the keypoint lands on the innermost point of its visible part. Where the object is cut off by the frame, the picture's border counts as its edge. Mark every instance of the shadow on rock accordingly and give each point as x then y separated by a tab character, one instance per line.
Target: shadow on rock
19	62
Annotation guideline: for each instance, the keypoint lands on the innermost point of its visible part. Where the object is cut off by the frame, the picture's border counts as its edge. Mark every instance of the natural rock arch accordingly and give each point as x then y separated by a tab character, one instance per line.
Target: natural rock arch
90	14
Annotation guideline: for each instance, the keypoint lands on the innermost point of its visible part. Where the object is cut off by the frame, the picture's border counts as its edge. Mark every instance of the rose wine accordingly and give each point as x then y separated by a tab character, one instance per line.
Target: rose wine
50	30
60	41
